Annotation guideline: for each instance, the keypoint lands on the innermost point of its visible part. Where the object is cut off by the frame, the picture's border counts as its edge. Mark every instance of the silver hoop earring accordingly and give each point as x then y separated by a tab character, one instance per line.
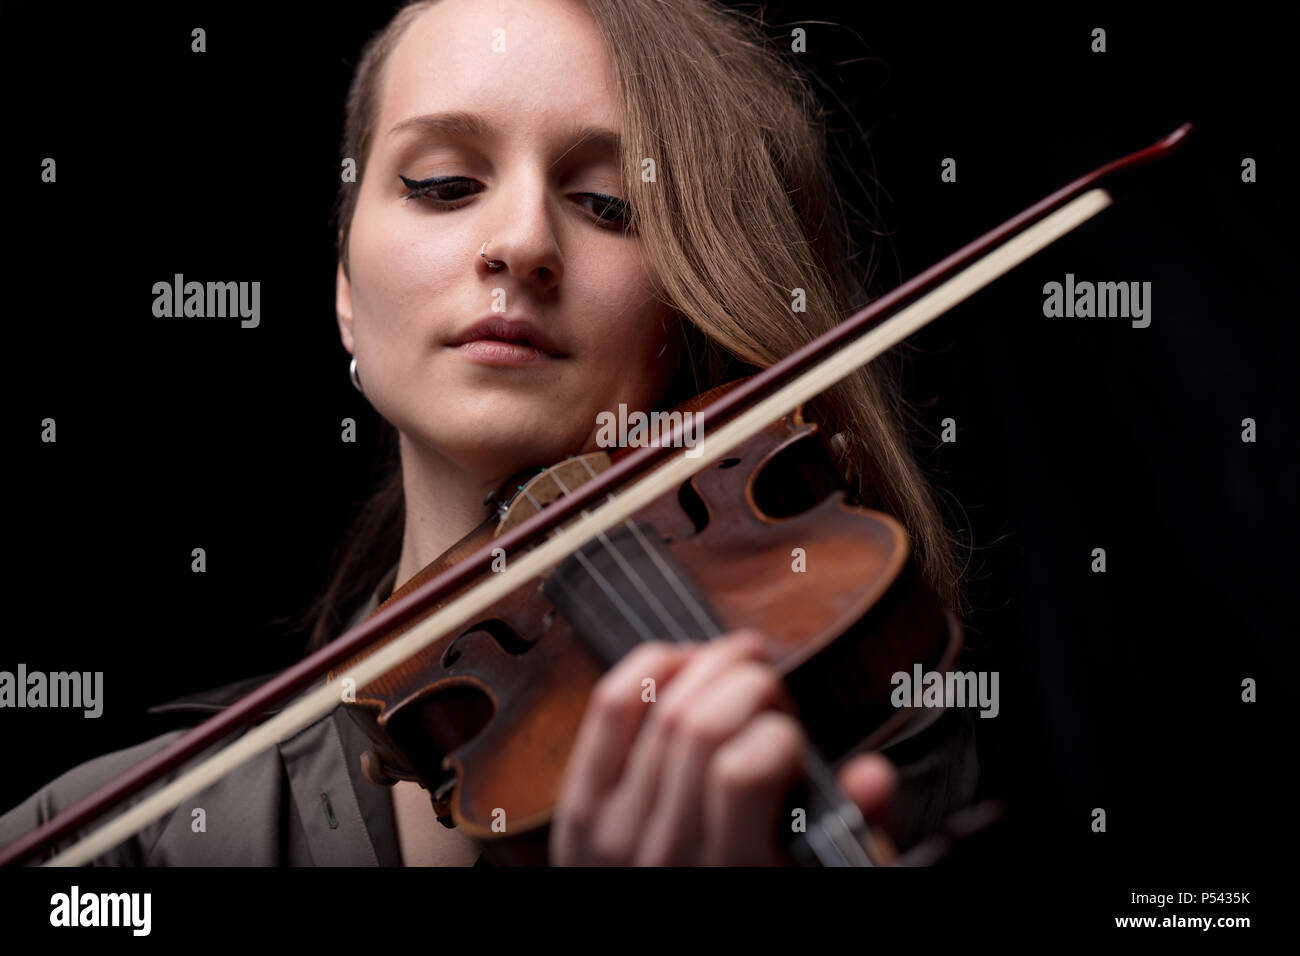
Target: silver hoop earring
493	264
352	374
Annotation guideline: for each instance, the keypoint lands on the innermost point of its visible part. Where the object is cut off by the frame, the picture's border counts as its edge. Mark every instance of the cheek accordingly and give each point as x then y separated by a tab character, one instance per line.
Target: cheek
638	342
397	270
638	358
631	323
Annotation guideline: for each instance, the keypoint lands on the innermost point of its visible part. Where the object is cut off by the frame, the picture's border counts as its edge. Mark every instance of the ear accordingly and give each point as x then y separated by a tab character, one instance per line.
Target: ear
343	307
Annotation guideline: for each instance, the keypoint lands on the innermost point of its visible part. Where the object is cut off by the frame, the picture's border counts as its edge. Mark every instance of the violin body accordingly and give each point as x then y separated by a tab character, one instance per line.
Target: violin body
485	718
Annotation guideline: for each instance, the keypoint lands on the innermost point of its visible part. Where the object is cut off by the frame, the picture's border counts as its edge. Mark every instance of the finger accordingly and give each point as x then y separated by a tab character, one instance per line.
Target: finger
674	830
627	807
613	718
870	781
745	791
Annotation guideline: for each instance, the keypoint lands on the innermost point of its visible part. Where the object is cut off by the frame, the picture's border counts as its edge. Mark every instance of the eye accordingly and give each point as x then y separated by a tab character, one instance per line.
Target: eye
610	212
441	191
448	192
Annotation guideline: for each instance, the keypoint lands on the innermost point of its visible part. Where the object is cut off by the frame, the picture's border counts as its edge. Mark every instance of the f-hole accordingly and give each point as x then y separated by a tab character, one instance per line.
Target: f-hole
796	478
693	505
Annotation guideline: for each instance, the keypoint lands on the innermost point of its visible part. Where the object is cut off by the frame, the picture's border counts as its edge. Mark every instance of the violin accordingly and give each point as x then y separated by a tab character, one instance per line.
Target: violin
473	677
764	538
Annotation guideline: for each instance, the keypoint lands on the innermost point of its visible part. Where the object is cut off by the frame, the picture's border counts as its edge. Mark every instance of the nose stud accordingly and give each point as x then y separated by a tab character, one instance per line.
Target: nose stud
493	264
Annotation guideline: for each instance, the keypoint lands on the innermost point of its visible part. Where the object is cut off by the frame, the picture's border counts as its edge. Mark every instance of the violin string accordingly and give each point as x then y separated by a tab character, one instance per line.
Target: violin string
702	618
831	832
629	614
661	612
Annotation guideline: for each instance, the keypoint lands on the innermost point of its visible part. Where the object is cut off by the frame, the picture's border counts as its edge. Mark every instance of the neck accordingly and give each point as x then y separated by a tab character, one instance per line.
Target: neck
443	504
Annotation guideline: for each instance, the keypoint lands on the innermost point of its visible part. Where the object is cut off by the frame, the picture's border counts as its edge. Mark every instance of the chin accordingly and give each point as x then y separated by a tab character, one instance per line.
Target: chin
495	450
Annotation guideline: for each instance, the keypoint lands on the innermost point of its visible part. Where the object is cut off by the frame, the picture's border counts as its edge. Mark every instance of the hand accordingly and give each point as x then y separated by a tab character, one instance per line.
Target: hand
698	776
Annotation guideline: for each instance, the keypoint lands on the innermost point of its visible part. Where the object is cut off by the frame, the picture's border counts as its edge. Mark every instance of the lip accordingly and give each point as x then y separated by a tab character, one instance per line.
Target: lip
498	340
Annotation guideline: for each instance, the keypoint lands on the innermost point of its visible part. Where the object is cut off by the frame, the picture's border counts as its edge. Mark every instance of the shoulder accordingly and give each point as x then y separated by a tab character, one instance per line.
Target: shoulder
83	779
246	807
301	802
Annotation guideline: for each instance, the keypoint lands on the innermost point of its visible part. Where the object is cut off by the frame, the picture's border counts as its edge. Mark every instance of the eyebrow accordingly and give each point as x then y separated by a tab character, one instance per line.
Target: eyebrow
463	123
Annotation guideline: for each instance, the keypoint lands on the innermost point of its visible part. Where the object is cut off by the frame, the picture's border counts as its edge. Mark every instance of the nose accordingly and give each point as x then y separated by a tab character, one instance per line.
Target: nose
523	237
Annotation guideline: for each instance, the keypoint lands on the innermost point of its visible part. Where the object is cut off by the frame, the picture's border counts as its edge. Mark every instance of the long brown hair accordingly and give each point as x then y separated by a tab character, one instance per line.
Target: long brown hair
742	210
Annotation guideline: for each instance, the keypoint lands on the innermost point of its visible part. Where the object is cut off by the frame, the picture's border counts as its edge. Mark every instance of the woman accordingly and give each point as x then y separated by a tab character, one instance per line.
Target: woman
561	208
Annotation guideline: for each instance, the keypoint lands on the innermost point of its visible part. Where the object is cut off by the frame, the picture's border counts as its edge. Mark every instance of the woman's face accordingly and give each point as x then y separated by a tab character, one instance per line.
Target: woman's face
497	97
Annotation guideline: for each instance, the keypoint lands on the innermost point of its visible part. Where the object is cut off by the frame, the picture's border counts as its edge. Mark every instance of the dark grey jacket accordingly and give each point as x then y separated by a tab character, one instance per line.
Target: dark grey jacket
305	801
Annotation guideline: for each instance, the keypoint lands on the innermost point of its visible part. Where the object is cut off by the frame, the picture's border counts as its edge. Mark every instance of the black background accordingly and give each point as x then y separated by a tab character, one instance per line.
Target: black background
1119	690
